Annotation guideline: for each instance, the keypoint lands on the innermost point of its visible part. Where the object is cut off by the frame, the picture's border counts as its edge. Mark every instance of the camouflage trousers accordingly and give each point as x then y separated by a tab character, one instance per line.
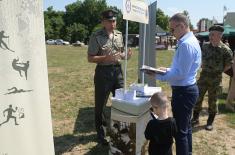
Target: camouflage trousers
210	83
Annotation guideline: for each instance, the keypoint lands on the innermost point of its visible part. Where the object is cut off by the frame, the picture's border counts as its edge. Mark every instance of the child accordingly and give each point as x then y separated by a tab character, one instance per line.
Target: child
160	130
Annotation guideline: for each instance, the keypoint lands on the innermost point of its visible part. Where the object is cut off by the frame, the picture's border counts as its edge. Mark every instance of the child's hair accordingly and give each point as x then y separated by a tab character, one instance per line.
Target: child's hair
159	99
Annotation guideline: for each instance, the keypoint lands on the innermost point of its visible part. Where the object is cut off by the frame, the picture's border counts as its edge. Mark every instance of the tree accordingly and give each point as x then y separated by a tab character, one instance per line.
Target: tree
87	13
162	20
76	32
80	19
54	23
187	14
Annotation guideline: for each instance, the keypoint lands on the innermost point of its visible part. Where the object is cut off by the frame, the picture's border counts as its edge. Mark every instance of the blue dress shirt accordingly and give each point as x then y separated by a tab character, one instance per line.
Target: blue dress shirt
186	62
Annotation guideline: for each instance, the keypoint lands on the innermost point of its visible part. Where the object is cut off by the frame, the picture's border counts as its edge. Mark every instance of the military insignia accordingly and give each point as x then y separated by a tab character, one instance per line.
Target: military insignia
110	14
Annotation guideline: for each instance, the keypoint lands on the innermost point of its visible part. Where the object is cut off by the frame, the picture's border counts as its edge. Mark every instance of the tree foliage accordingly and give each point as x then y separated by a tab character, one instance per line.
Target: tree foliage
83	17
162	20
76	32
54	23
187	14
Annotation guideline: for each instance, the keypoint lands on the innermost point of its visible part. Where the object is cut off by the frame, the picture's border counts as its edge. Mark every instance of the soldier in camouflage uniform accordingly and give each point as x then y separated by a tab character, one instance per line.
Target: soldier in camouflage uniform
216	58
106	50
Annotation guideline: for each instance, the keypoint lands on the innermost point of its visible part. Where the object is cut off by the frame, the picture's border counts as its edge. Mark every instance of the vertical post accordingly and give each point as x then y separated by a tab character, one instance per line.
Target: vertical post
149	41
144	43
126	50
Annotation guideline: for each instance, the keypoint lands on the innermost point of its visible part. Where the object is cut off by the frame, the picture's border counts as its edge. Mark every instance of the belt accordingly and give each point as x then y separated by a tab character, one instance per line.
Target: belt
175	87
109	66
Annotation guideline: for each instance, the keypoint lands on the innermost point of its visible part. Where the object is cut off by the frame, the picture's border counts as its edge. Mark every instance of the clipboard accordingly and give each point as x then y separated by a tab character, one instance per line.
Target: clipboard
145	68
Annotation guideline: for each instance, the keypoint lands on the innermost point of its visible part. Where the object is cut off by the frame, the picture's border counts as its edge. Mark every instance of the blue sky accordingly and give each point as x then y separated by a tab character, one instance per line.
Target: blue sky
197	8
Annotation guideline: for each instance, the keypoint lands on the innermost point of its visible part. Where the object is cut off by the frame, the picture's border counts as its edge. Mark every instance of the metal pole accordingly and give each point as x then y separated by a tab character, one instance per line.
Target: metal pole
223	16
125	67
144	52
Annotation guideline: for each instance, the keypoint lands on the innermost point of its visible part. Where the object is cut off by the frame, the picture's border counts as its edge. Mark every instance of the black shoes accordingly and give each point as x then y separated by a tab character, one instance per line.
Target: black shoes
209	127
210	121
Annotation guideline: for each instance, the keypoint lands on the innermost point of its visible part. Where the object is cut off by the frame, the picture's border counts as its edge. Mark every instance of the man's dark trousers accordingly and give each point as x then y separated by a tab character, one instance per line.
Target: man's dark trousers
106	79
183	100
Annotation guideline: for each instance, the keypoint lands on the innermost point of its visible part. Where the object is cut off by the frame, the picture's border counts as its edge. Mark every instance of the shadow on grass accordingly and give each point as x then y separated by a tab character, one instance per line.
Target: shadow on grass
64	143
221	106
198	128
85	121
83	133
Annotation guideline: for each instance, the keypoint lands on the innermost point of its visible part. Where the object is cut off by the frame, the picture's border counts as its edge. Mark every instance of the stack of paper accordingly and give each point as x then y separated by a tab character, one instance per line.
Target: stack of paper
145	68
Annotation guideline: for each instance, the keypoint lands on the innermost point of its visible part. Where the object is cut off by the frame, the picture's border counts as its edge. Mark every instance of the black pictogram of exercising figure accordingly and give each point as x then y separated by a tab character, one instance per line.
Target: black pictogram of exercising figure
15	90
3	43
9	111
19	66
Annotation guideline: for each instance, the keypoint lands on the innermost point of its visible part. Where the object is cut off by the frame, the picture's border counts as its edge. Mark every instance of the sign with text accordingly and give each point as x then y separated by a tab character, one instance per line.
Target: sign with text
136	10
25	114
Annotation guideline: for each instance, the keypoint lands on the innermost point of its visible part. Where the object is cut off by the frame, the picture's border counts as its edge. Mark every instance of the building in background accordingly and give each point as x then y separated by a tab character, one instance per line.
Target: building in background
204	24
229	19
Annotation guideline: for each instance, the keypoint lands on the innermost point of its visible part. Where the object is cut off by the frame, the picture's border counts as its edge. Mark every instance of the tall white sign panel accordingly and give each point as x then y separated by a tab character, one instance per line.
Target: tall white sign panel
25	116
136	10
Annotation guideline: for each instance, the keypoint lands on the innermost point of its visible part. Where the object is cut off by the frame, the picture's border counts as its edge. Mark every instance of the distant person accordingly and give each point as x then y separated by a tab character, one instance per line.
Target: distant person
161	130
182	78
216	58
106	50
171	42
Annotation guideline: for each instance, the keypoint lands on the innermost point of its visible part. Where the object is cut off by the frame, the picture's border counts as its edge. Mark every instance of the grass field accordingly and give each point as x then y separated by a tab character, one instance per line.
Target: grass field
72	102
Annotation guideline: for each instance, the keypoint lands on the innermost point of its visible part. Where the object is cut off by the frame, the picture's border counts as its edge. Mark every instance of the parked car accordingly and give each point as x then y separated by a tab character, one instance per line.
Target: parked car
59	42
50	42
78	43
66	43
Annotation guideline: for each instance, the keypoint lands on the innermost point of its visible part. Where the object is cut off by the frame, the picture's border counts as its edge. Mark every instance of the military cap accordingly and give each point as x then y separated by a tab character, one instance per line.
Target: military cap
216	28
109	14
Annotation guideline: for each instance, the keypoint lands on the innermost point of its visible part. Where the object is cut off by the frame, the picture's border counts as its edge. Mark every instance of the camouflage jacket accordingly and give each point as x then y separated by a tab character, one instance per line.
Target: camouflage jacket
214	59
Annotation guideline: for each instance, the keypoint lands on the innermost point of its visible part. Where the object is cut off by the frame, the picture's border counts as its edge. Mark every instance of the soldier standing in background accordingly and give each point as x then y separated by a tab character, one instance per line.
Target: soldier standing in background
216	58
106	50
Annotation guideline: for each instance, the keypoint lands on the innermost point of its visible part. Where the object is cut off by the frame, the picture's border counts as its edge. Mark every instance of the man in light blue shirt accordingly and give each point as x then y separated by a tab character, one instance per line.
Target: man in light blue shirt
182	78
185	64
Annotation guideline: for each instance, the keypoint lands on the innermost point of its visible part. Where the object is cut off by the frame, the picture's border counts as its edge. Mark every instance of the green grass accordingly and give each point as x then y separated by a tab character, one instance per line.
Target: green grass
72	97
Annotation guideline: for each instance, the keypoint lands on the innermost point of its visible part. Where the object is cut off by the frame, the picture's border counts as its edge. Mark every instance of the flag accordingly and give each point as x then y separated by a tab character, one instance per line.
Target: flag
225	8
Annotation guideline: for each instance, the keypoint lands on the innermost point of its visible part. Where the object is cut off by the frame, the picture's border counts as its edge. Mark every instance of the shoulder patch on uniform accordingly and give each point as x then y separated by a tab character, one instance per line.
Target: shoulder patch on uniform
118	32
225	46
